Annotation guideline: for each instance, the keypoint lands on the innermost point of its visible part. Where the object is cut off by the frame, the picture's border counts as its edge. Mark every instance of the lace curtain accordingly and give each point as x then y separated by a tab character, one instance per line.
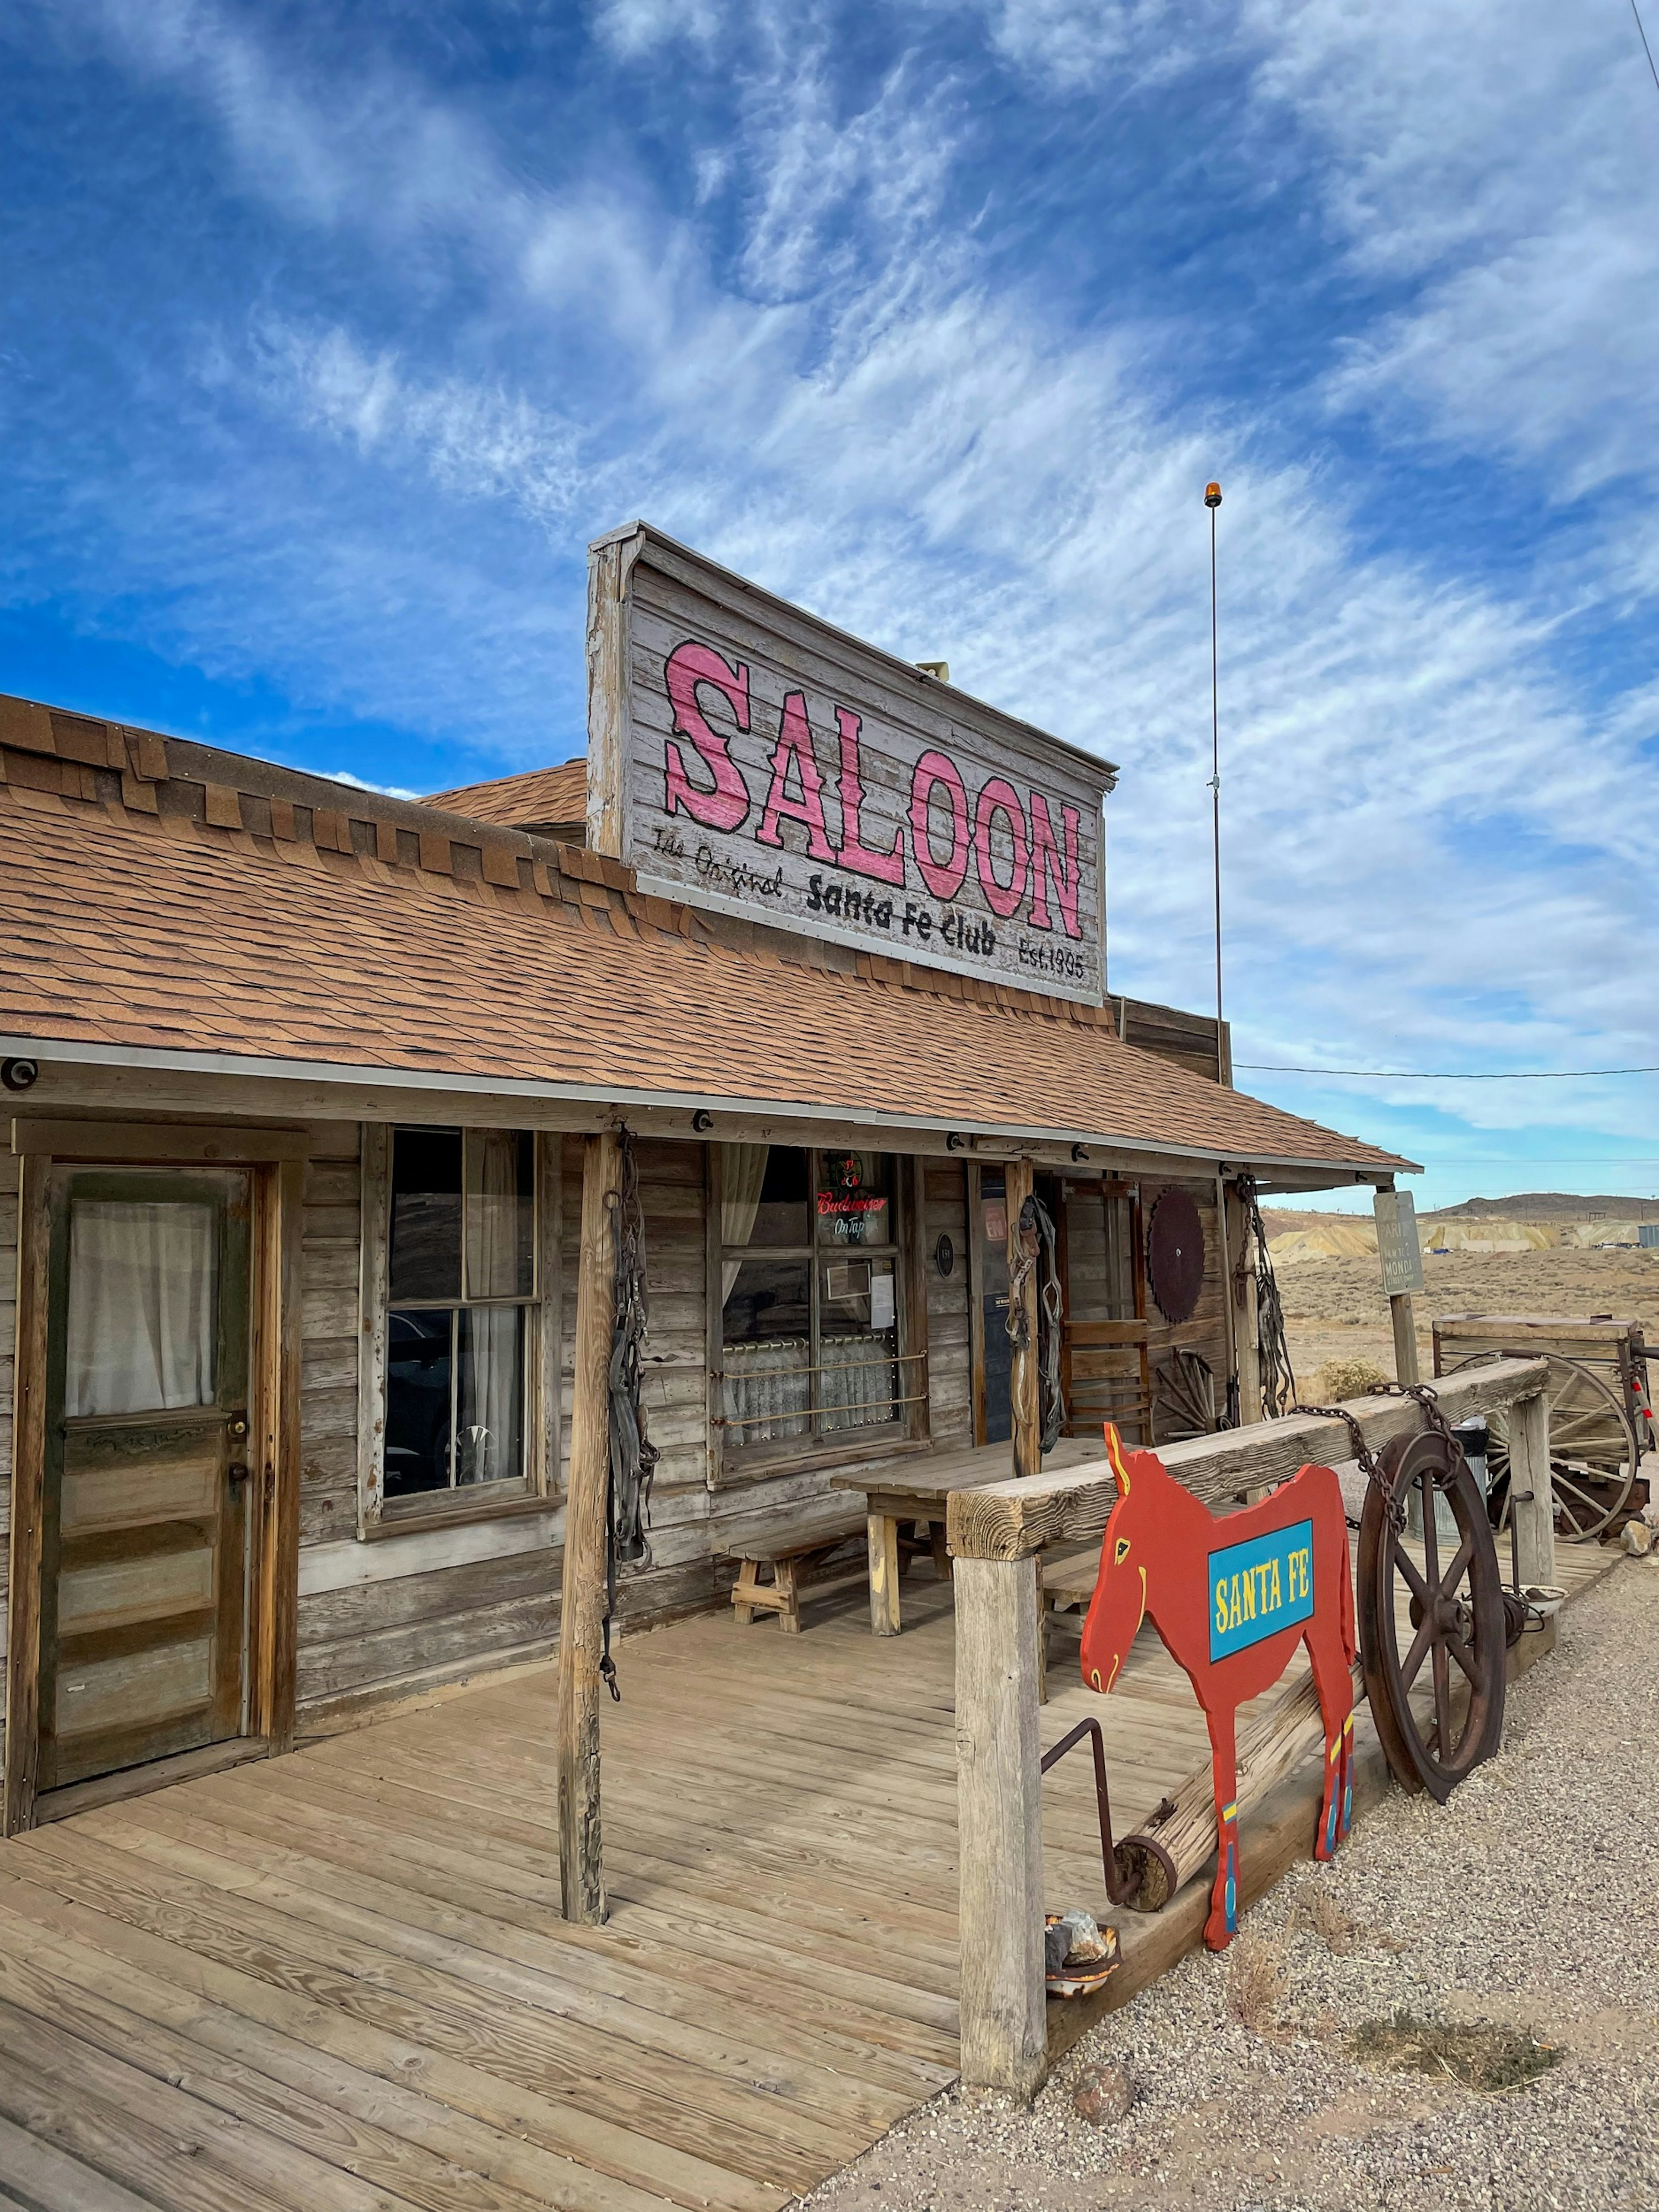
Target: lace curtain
768	1392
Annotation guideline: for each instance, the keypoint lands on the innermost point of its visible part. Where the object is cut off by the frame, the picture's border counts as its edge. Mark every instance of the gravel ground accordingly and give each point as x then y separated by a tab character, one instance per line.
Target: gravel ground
1528	1902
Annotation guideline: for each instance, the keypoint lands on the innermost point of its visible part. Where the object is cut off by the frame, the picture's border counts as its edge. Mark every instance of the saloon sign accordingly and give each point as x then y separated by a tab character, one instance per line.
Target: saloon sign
769	765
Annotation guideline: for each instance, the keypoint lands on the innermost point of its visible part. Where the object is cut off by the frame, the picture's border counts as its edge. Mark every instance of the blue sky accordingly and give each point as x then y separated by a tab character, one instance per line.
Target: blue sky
331	333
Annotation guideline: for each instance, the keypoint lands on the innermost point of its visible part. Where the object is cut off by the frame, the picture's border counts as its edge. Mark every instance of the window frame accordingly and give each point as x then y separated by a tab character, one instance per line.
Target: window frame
729	1465
533	1489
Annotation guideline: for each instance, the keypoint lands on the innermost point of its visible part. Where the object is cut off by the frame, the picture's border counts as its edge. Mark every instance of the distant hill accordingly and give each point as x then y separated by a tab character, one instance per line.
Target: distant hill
1549	1205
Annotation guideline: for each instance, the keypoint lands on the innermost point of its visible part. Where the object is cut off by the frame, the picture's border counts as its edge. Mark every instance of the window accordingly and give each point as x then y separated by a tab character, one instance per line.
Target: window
462	1306
810	1295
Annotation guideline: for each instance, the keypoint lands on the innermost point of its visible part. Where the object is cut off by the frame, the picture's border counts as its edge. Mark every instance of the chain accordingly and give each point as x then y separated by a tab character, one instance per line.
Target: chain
1035	1241
633	1455
1428	1405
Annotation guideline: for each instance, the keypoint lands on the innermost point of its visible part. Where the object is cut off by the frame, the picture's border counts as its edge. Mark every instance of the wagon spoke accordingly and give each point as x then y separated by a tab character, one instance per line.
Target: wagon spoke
1465	1658
1442	1735
1420	1588
1413	1659
1454	1574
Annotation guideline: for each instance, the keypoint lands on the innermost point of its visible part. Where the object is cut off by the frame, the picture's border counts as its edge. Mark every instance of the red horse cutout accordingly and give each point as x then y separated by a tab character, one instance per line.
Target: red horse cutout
1231	1598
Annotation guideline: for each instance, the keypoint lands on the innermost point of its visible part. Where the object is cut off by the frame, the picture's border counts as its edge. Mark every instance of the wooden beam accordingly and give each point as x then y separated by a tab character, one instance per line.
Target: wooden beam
882	1539
582	1605
1405	1339
1268	1747
277	1334
1530	1471
1024	1382
1011	1520
28	1482
158	1140
1005	2036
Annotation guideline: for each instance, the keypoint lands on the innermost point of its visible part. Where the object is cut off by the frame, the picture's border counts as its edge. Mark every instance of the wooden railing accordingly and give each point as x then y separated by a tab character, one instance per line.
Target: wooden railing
995	1533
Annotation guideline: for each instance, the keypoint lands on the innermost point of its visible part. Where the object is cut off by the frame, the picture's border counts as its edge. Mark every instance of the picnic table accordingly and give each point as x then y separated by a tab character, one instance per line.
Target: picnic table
912	1492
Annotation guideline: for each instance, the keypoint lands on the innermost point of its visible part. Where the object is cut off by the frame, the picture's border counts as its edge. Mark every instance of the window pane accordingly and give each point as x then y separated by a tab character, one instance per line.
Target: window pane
855	1198
143	1306
489	1438
418	1376
426	1213
779	1215
500	1213
858	1341
767	1352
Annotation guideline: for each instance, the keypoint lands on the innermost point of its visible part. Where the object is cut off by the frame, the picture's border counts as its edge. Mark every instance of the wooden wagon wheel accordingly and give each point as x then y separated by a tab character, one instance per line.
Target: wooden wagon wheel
1593	1448
1183	1396
1438	1703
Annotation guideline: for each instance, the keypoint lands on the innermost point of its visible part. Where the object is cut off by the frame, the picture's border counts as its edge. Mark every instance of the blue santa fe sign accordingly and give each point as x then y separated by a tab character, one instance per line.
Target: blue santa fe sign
1260	1586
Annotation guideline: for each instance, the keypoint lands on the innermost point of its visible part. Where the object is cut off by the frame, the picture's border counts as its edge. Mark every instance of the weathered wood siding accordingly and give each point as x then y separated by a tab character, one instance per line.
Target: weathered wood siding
1205	1333
950	1350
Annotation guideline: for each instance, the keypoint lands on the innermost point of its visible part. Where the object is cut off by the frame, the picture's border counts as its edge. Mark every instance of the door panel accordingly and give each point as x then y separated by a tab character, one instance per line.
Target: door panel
145	1535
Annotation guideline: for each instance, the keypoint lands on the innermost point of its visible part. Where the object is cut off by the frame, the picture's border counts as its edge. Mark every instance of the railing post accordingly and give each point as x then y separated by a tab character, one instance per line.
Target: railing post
1005	2030
1530	1471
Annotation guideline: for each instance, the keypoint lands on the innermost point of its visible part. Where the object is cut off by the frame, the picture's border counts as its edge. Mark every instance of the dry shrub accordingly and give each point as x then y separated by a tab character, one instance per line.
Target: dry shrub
1492	2059
1347	1378
1255	1982
1339	1931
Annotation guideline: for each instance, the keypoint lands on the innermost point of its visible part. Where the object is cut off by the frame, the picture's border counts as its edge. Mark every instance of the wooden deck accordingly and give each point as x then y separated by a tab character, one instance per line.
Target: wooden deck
339	1982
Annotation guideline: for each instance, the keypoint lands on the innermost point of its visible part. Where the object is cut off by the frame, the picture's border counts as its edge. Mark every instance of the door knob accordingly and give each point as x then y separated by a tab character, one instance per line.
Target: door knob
237	1471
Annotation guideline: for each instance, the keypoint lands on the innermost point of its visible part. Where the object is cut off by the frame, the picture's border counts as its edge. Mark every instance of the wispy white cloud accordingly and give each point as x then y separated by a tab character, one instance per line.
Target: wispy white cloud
812	367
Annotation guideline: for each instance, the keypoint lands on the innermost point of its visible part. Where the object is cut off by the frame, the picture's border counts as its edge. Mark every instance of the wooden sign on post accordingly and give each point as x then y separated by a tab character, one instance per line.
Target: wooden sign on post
746	755
1397	1244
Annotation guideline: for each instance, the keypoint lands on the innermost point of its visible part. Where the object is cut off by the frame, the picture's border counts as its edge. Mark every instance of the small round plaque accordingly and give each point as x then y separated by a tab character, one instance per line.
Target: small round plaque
945	1256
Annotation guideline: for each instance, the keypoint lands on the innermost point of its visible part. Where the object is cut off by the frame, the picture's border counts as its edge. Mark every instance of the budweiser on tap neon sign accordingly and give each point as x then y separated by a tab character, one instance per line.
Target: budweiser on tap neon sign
778	768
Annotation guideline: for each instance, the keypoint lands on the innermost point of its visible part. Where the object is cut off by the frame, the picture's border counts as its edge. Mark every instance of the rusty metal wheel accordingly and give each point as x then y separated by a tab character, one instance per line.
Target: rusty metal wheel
1438	1703
1593	1451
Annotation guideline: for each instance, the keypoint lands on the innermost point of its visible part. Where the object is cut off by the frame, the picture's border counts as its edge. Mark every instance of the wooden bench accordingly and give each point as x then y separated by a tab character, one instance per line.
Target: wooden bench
793	1548
1066	1579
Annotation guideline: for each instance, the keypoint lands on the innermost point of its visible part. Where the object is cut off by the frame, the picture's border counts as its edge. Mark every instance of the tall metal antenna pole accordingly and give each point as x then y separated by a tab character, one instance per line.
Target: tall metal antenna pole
1212	500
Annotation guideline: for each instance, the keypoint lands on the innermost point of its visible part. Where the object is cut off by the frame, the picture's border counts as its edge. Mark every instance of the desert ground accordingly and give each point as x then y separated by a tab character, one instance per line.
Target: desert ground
1336	1309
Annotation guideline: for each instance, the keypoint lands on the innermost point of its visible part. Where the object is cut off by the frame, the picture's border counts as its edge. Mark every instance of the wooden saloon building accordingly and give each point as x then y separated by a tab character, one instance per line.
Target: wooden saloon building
316	1098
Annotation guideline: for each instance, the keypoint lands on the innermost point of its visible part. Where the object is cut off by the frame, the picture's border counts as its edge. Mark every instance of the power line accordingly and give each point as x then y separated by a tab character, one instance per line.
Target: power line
1448	1075
1643	35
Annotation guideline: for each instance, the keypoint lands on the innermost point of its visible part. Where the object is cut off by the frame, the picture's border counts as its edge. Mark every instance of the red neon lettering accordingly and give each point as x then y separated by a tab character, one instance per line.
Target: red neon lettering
795	744
1045	865
1001	798
944	880
885	867
727	806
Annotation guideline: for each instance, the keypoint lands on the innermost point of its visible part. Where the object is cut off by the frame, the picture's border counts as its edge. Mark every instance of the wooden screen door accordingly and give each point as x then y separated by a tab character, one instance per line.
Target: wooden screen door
145	1526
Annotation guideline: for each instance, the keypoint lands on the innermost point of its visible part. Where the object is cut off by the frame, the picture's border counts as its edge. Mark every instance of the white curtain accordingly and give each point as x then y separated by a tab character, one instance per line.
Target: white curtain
857	1385
488	1447
768	1390
143	1306
743	1171
489	1444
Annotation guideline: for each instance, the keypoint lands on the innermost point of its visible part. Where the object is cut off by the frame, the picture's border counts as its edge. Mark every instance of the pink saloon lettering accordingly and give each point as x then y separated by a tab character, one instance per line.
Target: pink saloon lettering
726	807
885	867
933	770
1000	797
794	750
1047	866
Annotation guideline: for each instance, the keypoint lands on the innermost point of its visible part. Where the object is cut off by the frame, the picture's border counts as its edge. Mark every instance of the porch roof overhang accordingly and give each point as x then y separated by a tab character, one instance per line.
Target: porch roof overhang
213	919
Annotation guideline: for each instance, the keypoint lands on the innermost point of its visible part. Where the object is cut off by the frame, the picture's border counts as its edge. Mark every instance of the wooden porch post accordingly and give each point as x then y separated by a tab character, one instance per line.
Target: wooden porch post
581	1613
1247	1324
1024	1380
1529	1470
1405	1339
1004	2029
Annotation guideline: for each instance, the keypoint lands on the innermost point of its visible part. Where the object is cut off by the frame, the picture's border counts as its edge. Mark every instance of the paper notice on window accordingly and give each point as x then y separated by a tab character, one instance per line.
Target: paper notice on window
881	1302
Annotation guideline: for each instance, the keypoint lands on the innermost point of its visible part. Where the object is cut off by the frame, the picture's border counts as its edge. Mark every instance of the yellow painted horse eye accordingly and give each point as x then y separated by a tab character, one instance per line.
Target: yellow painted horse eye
1121	1551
